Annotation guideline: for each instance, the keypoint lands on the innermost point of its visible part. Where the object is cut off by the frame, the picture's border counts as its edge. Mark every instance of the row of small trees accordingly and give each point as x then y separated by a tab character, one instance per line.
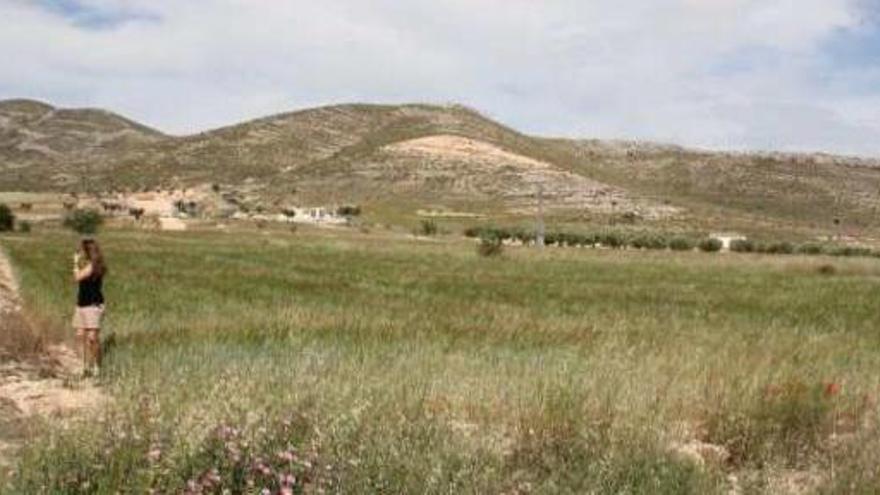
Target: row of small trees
609	239
810	248
659	241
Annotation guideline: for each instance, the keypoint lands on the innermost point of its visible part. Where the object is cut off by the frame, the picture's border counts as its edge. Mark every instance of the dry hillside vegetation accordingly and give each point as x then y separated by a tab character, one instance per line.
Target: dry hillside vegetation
477	169
47	147
813	189
428	154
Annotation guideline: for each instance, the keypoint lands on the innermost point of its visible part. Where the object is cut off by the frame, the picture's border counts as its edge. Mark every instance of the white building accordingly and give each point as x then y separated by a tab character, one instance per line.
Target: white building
727	238
317	215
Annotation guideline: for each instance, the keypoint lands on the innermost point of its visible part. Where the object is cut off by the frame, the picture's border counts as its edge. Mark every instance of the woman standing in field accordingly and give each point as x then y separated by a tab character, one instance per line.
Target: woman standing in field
89	270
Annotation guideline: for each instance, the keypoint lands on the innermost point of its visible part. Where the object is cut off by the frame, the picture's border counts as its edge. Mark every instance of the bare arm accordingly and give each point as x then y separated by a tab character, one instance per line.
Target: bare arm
82	274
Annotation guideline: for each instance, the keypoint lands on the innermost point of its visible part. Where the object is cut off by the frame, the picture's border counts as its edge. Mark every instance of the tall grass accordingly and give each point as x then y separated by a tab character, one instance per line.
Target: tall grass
401	367
17	337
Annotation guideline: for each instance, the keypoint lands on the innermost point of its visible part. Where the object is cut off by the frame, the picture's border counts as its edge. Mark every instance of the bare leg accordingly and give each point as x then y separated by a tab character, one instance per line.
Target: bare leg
95	345
83	346
90	348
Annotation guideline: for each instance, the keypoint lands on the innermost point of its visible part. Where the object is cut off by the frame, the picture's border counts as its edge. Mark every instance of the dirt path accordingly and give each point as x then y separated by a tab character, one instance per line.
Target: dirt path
9	301
42	386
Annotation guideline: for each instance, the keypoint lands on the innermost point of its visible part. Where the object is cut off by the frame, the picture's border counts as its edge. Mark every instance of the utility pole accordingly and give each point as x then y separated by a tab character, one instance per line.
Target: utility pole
539	221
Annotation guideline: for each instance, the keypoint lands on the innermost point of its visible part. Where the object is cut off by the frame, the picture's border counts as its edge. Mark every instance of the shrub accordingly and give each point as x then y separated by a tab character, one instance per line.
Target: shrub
575	240
681	244
742	246
188	208
490	245
111	206
639	242
7	219
137	213
24	226
850	251
589	240
811	249
473	232
502	233
84	221
348	211
658	242
518	234
524	237
564	239
648	241
428	228
485	231
779	248
612	240
710	245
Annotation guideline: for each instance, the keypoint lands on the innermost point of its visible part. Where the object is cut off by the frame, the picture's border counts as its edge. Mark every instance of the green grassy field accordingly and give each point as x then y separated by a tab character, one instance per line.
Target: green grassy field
357	363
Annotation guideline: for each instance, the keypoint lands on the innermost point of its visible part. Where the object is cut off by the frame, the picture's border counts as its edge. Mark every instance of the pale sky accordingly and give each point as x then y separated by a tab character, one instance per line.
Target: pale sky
731	74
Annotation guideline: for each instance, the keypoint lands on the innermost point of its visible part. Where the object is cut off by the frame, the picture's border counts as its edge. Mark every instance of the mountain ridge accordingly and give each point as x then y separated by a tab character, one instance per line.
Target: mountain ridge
346	153
618	144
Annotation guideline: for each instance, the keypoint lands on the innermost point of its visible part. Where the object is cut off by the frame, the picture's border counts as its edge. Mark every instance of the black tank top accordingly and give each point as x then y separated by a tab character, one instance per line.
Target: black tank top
90	292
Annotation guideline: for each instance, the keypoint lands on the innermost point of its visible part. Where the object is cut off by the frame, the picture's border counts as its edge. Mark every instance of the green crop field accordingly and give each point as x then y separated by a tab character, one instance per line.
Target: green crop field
360	363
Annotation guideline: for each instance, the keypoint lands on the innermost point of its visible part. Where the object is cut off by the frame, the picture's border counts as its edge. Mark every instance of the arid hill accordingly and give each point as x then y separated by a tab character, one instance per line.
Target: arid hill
43	147
428	154
346	153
